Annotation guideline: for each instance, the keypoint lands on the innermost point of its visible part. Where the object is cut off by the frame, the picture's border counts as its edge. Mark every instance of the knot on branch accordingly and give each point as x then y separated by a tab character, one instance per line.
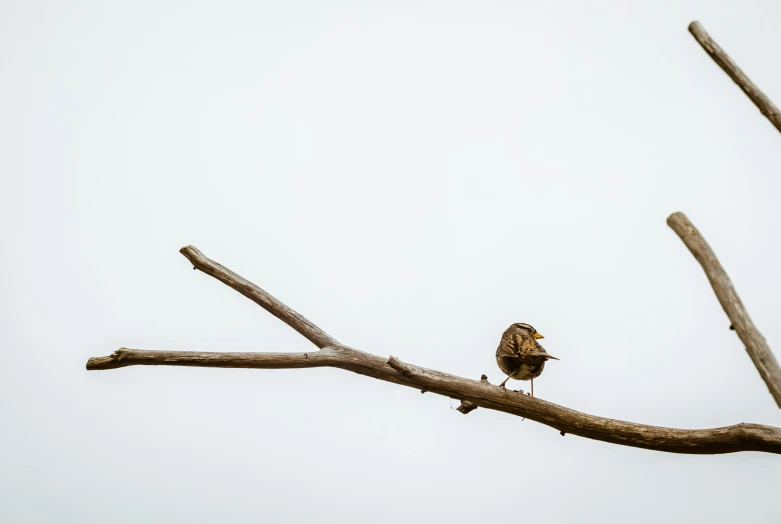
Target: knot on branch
401	367
466	407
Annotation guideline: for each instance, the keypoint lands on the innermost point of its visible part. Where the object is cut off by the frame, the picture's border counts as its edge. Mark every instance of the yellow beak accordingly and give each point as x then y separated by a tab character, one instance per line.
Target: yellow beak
537	335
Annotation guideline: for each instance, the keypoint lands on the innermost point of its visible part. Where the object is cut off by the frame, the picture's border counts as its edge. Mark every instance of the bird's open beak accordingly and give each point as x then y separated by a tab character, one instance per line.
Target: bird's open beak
538	336
551	357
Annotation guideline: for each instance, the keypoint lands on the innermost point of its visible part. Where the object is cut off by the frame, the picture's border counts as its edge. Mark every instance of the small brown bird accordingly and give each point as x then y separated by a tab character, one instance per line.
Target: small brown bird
519	355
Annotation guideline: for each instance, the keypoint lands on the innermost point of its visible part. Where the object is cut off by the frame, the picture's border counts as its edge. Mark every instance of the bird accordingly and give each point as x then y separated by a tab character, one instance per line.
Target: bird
520	356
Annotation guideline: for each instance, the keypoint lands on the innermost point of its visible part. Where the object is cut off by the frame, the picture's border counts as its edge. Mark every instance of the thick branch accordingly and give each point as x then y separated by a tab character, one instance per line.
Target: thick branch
472	393
314	334
766	107
740	437
756	345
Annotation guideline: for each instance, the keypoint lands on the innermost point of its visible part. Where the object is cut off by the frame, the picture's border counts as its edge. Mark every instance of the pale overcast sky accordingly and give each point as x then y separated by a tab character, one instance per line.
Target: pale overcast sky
413	177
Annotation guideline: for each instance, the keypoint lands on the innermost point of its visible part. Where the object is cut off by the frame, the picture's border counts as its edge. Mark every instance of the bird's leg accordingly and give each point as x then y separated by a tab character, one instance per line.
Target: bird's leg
505	381
532	388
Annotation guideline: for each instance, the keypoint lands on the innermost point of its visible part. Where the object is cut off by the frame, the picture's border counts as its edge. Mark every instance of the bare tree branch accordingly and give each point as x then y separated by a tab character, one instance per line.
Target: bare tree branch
314	334
740	437
472	393
766	107
756	345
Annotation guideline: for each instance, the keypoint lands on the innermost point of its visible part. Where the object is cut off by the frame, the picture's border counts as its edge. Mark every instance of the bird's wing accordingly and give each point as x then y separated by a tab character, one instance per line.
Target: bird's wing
516	344
509	350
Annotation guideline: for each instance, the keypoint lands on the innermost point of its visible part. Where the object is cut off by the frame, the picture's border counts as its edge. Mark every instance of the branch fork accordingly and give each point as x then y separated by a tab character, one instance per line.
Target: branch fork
471	393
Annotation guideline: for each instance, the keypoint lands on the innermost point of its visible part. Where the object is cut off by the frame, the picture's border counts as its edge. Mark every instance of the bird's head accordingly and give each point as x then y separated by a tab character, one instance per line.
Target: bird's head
529	329
538	350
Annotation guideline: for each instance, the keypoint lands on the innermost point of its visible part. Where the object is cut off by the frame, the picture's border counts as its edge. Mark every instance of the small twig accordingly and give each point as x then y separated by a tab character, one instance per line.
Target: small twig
740	437
756	345
766	107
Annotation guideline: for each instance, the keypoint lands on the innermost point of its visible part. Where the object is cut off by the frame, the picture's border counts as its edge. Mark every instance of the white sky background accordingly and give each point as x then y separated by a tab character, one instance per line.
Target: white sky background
413	178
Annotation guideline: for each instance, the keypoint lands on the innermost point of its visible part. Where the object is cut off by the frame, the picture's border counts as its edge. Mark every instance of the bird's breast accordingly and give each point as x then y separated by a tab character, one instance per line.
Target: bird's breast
528	371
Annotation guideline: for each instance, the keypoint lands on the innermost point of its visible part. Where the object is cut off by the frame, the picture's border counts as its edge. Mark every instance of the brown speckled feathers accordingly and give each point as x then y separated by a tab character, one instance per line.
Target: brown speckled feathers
519	355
